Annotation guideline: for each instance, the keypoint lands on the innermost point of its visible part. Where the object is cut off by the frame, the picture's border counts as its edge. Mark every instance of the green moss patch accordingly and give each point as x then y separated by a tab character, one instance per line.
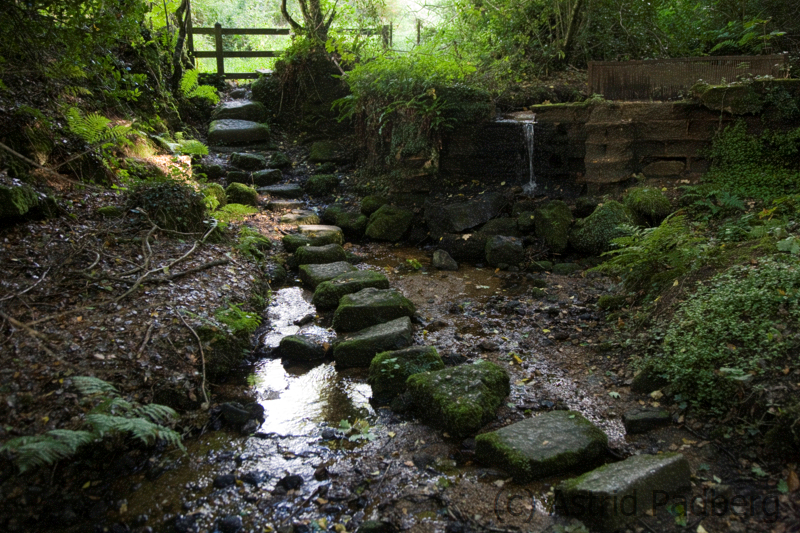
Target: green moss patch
389	371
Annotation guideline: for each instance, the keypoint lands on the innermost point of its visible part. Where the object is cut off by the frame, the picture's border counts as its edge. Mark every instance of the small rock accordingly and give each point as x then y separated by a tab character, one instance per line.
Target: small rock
224	481
443	261
185	524
321	473
489	346
290	482
644	420
230	524
253	478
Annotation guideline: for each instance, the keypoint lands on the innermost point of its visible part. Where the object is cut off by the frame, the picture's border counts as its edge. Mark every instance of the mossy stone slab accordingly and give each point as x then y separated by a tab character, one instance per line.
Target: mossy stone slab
237	132
297	348
239	193
322	234
240	110
281	205
593	234
321	184
247	161
609	497
358	349
17	200
389	371
317	255
300	216
459	400
288	190
313	275
542	446
265	178
328	293
388	223
369	307
552	223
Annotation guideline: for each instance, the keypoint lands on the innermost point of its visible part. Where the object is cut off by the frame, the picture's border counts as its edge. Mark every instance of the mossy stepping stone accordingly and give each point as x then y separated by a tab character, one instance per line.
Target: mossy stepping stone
321	234
358	349
353	224
317	255
388	223
389	371
237	132
247	161
542	446
328	293
240	110
265	178
593	234
370	306
297	348
289	190
281	205
321	184
459	400
300	216
313	275
607	498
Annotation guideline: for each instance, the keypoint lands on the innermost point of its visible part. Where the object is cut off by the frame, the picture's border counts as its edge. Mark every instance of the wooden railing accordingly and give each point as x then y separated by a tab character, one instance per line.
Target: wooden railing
220	54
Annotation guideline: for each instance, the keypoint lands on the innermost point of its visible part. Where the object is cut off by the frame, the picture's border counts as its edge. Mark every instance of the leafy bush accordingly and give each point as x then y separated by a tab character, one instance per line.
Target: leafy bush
172	205
740	326
110	415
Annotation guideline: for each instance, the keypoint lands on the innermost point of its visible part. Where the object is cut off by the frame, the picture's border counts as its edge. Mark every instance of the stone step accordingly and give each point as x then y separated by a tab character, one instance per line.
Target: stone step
289	190
319	255
358	349
328	293
320	232
300	216
280	205
369	307
265	178
313	275
240	110
237	132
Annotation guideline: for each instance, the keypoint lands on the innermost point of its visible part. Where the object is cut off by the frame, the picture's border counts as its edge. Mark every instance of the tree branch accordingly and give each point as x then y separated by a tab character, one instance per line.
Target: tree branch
285	12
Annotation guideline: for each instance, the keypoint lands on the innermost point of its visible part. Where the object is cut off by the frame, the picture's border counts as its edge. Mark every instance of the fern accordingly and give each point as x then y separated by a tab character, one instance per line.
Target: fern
193	147
39	450
94	127
88	385
190	89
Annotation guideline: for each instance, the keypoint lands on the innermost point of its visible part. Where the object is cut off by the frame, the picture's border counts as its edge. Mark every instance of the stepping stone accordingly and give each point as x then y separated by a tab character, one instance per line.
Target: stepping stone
280	205
369	307
331	234
358	349
542	446
607	498
644	420
265	178
321	184
318	255
298	348
353	224
328	293
289	190
229	132
300	216
313	275
246	161
461	399
389	371
240	110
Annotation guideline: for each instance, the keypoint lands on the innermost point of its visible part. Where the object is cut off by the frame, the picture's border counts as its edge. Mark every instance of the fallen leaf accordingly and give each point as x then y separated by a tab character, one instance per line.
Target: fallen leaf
792	482
408	463
656	395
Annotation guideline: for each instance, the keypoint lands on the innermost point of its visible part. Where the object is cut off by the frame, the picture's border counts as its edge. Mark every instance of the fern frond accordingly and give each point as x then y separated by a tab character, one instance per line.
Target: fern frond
142	429
88	385
189	81
193	147
160	414
46	449
94	127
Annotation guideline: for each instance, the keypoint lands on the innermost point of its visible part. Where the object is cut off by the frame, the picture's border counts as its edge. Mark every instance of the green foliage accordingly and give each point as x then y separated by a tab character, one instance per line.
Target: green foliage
648	204
650	259
172	205
237	320
756	166
193	147
94	128
738	327
743	37
190	89
252	243
110	415
214	196
234	213
358	430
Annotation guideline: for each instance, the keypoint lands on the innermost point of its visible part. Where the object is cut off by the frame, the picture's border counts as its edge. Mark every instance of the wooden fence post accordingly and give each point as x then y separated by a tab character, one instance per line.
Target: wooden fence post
218	45
385	35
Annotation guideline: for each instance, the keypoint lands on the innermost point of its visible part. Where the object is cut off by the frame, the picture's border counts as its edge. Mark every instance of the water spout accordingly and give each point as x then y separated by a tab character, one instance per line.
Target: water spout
528	129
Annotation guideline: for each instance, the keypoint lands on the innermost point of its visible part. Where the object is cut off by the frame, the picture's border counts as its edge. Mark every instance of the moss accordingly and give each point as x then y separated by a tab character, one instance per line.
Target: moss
328	293
552	223
389	371
239	193
17	201
172	205
370	204
280	160
224	351
316	255
321	184
740	99
369	307
327	151
389	223
593	234
566	269
110	211
217	191
612	302
293	241
247	161
352	224
648	205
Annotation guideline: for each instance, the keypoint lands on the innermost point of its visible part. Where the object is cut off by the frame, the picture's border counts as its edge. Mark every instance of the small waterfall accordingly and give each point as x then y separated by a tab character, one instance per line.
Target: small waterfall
528	129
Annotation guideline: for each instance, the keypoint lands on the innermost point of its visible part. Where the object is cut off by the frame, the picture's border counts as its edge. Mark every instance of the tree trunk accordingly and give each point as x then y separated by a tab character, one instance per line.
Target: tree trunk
572	28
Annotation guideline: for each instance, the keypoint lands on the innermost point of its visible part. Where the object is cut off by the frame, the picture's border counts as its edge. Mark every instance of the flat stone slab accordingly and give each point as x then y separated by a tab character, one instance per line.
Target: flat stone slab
542	446
461	399
240	110
358	349
369	307
313	275
389	371
609	497
644	420
319	255
297	348
235	132
320	232
280	205
300	216
328	293
265	178
289	190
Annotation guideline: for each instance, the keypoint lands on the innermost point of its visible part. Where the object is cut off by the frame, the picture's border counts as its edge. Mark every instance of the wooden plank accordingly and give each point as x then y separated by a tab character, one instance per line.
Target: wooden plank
267	53
242	76
242	31
218	47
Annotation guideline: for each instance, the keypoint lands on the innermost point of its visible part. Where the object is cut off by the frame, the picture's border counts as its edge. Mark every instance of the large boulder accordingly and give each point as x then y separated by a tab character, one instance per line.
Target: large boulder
313	275
607	498
370	204
353	224
237	132
389	371
321	184
552	223
548	444
16	201
370	306
504	252
388	223
247	161
468	247
328	293
593	234
501	226
316	255
239	193
240	110
289	190
455	218
648	205
300	349
459	400
358	349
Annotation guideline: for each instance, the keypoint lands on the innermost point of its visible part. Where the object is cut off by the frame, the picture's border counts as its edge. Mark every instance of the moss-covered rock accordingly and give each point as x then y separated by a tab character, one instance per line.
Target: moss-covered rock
317	255
358	349
240	110
743	99
566	269
321	184
247	161
612	302
526	222
548	444
280	160
16	201
648	205
501	226
287	190
370	204
239	193
389	223
300	217
324	151
293	241
353	224
217	191
593	234
313	275
266	177
328	293
172	205
370	306
322	234
237	132
110	211
389	371
541	266
552	223
300	349
459	400
224	351
238	176
504	252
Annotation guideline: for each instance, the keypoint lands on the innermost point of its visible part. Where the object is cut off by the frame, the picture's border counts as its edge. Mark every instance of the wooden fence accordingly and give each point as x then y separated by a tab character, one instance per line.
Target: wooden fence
668	79
220	53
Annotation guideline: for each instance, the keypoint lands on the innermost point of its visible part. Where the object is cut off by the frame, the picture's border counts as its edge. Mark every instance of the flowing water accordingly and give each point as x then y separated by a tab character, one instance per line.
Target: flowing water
528	129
